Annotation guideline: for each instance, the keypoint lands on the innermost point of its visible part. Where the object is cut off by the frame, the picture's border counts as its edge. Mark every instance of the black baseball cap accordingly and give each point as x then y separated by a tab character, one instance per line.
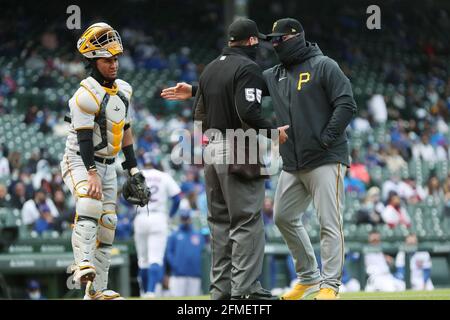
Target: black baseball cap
285	26
242	29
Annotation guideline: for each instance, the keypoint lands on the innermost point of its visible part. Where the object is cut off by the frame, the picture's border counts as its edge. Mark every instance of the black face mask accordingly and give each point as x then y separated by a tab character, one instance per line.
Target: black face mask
250	51
291	51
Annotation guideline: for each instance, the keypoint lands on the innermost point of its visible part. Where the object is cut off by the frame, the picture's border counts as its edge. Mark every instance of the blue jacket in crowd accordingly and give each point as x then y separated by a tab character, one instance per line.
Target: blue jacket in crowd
184	252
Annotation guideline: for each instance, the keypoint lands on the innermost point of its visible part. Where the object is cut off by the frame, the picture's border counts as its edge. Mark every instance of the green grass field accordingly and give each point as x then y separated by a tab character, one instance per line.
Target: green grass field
438	294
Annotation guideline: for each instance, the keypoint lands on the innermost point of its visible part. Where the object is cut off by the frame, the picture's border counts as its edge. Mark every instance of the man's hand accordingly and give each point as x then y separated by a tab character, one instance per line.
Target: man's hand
182	91
94	185
282	138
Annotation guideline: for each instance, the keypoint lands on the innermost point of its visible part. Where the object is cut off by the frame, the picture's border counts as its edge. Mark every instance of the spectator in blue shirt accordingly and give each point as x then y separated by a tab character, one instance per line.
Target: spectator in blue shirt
352	184
34	291
45	221
184	256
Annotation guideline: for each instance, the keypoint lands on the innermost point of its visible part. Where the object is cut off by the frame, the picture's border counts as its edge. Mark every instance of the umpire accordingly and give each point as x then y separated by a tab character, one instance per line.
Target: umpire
228	96
311	94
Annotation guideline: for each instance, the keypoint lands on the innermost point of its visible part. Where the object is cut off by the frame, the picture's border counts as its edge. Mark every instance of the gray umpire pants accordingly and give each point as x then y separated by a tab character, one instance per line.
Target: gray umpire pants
295	191
237	231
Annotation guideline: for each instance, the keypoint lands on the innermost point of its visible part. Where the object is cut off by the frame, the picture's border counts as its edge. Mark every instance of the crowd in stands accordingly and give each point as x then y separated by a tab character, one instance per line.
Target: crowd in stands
387	273
390	131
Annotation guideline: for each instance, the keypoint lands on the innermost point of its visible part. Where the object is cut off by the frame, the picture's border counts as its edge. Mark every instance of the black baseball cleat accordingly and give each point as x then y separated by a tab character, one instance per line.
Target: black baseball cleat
262	294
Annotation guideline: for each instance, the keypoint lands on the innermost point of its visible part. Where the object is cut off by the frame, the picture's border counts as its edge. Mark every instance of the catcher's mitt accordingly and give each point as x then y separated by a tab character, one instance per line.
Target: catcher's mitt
135	191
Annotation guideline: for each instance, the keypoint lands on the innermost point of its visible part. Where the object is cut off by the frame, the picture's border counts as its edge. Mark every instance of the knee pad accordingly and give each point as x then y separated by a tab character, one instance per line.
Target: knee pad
107	227
108	220
89	208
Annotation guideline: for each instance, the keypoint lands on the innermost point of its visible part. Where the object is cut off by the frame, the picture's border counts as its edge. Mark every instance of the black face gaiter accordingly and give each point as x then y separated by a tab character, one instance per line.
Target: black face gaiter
250	51
292	51
98	76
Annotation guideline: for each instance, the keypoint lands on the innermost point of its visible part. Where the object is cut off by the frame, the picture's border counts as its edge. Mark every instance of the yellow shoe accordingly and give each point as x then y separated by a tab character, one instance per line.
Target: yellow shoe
326	294
300	291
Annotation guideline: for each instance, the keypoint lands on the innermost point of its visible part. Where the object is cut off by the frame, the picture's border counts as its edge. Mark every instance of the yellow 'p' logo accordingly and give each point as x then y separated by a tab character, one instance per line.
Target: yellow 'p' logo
274	25
303	78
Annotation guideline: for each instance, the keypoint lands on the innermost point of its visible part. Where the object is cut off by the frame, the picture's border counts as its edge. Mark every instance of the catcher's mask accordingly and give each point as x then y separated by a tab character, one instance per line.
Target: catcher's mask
100	40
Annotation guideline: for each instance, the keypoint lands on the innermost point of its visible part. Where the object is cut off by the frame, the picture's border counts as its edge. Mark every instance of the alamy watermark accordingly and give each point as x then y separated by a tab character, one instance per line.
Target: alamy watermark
74	19
70	282
234	146
374	20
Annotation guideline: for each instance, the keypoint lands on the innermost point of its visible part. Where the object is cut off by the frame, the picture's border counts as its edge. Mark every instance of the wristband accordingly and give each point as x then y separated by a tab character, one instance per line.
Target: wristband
133	171
194	90
92	169
130	159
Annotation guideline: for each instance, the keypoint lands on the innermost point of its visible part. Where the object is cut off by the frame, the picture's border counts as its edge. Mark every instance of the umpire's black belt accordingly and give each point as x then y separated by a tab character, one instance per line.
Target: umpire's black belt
102	160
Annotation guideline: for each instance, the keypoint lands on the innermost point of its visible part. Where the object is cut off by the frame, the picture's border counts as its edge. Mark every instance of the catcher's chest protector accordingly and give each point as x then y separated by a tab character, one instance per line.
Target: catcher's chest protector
111	114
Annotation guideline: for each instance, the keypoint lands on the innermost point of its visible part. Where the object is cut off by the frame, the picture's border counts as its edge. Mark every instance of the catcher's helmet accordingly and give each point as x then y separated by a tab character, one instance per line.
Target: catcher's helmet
100	40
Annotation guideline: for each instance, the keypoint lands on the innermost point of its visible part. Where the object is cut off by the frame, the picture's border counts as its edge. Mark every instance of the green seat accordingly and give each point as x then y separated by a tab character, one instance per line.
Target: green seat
400	233
387	234
349	216
50	234
359	233
376	174
4	212
66	234
440	272
426	167
442	168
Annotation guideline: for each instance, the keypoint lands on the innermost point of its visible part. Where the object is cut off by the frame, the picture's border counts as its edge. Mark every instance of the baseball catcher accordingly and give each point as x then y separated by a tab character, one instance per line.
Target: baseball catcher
99	128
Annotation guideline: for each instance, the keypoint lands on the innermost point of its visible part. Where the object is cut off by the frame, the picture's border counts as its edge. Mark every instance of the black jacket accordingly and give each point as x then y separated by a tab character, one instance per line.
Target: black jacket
315	98
231	81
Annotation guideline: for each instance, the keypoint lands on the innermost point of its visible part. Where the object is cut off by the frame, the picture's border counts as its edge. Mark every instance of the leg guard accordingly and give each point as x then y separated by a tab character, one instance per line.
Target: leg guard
84	234
102	261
